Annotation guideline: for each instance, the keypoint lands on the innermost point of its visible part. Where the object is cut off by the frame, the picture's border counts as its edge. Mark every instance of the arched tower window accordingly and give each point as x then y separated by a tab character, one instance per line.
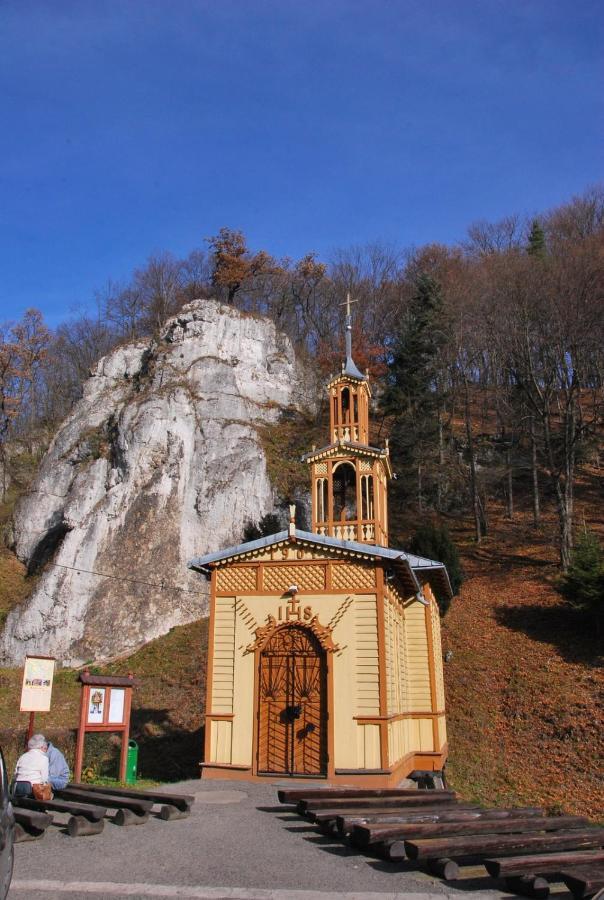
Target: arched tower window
346	405
344	493
321	499
367	496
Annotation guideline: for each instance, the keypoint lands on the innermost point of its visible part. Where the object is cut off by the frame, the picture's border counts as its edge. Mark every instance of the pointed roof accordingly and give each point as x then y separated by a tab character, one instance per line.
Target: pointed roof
348	367
413	569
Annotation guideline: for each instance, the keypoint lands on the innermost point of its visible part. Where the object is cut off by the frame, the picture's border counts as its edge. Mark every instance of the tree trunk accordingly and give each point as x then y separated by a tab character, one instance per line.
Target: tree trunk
510	497
535	475
476	505
441	464
420	502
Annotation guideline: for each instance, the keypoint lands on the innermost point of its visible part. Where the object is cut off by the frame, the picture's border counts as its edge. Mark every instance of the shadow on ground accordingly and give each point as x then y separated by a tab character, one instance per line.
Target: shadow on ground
165	752
559	626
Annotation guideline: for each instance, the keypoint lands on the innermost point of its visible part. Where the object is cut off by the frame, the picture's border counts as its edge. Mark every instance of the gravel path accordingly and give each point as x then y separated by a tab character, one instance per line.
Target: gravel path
237	843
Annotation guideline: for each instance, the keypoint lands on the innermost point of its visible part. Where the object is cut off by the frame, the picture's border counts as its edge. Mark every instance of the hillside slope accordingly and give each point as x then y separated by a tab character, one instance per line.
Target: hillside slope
525	686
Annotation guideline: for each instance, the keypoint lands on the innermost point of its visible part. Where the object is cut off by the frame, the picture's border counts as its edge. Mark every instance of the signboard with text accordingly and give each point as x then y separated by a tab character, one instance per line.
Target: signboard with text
36	690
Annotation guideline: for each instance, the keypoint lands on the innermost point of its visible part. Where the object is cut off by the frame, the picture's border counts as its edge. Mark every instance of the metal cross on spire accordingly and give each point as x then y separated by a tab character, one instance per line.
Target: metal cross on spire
349	367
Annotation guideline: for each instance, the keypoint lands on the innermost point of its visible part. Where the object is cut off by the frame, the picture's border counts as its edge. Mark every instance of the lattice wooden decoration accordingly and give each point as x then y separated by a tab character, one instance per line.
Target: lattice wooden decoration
236	579
308	578
366	466
321	468
352	578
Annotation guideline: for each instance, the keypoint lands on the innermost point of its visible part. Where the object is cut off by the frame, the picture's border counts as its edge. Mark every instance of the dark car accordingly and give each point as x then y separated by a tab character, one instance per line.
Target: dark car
7	832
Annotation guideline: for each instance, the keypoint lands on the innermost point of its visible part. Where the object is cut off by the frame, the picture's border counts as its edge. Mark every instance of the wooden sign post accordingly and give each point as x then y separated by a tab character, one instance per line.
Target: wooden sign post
36	690
104	706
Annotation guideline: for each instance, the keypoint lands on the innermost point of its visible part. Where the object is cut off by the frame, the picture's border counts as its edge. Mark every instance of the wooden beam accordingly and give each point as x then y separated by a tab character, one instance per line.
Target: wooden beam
461	813
293	796
477	845
583	881
542	864
365	835
419	798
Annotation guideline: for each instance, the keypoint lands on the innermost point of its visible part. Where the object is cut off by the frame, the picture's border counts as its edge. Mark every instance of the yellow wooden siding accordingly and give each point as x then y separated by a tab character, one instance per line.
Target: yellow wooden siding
396	659
224	656
366	661
243	701
416	640
220	741
438	655
442	732
368	747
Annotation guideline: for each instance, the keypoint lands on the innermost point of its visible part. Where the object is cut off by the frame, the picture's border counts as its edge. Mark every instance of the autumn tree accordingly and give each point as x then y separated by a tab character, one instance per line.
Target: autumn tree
234	265
23	348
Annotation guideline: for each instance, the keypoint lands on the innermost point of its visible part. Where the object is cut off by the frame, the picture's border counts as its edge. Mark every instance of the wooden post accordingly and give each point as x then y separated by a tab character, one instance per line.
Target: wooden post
126	732
79	754
30	728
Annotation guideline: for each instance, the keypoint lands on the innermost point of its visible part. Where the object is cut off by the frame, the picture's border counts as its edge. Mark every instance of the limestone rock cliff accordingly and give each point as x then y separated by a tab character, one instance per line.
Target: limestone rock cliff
160	461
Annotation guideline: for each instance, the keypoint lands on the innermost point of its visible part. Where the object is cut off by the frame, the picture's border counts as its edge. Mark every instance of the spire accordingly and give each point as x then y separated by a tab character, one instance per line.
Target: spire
349	367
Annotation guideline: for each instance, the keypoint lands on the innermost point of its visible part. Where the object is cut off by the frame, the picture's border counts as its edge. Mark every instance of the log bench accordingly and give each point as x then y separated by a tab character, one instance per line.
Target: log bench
505	844
417	798
140	807
293	796
542	863
365	835
460	813
85	810
584	881
30	824
180	802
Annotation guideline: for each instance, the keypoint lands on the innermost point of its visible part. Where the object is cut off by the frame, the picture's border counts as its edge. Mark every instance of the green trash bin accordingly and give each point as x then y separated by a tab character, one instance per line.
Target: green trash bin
131	762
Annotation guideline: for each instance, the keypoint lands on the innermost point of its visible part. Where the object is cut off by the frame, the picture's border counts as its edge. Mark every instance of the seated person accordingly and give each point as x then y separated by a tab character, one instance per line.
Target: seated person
32	767
58	770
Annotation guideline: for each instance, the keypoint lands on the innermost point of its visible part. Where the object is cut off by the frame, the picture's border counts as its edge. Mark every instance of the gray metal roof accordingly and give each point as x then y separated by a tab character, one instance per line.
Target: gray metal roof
414	564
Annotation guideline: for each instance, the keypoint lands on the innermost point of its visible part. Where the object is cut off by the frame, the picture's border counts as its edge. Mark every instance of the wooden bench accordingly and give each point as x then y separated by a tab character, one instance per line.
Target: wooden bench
418	798
181	802
584	881
503	845
30	824
85	810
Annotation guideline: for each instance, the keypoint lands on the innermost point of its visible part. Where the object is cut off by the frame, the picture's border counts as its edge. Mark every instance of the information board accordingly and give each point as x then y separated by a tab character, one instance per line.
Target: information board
36	690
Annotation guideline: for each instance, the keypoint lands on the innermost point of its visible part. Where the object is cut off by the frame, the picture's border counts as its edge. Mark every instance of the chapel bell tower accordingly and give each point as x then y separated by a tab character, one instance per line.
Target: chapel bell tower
348	476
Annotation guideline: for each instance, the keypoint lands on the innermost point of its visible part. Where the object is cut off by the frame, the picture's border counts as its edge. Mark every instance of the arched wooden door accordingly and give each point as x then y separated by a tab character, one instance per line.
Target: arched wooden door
292	704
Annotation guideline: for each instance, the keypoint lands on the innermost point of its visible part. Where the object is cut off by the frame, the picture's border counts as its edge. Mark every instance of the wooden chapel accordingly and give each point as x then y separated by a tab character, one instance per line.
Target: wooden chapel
324	654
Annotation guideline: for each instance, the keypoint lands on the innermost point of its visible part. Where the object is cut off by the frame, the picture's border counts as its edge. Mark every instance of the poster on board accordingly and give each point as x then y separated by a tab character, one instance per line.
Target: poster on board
36	690
96	706
116	706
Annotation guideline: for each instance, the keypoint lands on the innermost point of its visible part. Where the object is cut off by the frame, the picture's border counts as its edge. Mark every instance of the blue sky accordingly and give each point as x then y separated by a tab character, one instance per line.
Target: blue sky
142	125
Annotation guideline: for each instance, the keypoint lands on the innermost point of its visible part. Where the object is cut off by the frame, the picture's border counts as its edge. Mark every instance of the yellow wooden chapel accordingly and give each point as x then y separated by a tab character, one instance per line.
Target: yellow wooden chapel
324	654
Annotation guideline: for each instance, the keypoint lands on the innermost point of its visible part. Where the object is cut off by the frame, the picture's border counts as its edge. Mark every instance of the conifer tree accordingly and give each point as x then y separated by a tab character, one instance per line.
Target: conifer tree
413	394
583	584
536	241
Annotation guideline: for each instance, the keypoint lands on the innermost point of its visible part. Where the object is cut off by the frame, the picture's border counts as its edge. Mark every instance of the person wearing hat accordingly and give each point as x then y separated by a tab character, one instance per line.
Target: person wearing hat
58	770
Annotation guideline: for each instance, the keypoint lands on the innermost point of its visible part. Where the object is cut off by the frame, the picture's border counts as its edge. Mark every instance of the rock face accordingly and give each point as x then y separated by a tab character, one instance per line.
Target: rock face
160	461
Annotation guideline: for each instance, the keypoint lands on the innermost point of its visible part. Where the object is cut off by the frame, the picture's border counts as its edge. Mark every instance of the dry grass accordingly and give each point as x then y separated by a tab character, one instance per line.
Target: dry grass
525	687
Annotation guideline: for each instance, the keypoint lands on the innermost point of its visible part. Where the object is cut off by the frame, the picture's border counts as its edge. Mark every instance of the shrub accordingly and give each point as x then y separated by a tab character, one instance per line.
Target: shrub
582	586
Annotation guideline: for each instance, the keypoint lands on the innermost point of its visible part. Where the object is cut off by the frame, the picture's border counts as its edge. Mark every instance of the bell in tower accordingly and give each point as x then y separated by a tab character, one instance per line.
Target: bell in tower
349	477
